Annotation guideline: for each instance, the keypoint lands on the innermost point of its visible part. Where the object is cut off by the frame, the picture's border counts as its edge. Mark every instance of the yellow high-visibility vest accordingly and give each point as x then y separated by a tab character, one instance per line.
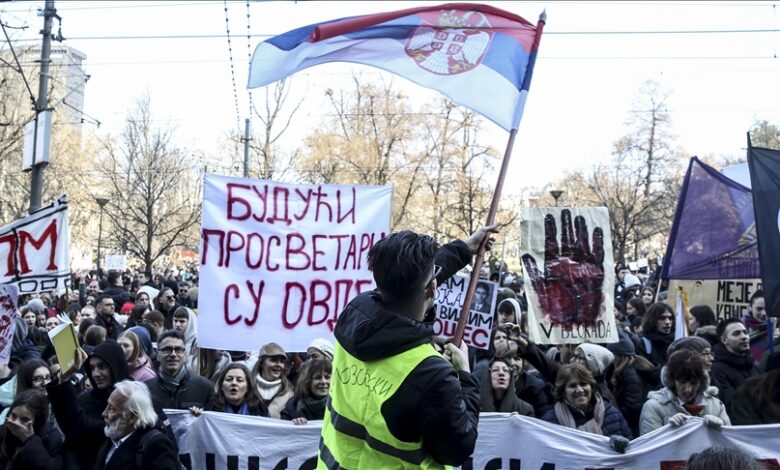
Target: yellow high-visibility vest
354	432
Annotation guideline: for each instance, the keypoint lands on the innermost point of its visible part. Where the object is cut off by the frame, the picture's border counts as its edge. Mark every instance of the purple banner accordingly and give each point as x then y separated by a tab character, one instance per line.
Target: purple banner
714	230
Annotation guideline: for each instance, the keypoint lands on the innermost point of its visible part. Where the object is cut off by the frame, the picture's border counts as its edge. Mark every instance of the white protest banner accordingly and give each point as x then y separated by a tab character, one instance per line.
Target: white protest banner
116	262
278	262
34	250
448	304
8	301
218	441
567	257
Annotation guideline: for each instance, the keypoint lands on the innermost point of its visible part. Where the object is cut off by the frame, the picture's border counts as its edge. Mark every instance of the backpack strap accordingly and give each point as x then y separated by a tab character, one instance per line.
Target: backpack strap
648	345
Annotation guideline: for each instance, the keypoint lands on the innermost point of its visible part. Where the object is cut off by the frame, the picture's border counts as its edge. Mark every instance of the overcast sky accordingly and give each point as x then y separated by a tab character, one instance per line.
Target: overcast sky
719	60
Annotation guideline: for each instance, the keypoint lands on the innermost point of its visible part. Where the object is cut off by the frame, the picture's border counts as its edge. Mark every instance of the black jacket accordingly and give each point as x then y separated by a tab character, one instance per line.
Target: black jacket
80	418
435	403
309	408
158	453
729	371
43	451
630	394
112	326
193	390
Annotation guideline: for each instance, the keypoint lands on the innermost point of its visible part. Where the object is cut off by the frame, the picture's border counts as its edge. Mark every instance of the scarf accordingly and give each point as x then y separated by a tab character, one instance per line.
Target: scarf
171	384
693	409
241	410
268	389
311	408
563	412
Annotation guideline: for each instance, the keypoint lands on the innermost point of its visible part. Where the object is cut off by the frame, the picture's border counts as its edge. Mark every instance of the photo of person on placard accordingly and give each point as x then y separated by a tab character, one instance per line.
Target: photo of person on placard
483	297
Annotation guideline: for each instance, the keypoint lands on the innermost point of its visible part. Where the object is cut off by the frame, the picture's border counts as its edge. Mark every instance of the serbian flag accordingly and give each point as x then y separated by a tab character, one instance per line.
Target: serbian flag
479	56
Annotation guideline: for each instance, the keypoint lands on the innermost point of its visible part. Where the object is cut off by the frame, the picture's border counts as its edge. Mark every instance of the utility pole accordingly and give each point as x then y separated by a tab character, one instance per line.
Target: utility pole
36	180
246	140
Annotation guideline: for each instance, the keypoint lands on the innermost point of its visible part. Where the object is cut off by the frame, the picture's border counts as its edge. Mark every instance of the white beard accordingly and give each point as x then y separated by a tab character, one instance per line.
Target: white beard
116	430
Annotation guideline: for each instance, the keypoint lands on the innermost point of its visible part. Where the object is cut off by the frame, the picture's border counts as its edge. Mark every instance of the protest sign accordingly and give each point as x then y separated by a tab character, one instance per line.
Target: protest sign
219	441
8	298
570	280
116	262
34	250
448	304
281	261
728	298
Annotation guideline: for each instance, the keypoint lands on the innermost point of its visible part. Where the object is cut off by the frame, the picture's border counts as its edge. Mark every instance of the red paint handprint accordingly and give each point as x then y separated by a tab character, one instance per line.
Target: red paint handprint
570	288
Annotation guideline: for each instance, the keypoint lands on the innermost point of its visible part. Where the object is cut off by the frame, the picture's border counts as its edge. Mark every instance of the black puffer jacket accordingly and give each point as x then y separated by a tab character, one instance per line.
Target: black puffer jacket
193	390
729	371
435	404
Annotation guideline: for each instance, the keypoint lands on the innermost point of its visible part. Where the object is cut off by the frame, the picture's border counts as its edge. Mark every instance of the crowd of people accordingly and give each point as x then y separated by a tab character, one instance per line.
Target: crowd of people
139	355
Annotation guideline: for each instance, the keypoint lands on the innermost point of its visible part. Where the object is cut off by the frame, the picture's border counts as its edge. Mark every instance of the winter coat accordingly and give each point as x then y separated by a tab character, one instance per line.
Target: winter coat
729	371
80	417
112	326
142	370
42	451
534	390
193	390
614	423
630	393
158	454
664	404
309	408
749	407
435	404
659	344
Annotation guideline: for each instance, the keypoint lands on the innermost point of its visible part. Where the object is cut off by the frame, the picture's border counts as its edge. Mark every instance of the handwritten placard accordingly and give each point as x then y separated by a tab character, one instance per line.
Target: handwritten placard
279	262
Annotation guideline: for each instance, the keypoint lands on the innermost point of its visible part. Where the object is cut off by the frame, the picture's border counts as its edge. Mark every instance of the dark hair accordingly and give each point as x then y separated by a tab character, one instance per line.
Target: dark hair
154	316
723	324
160	295
94	335
401	263
638	305
83	327
722	458
759	294
704	315
181	312
307	373
252	398
653	314
24	375
37	403
101	298
686	365
113	276
573	371
170	333
184	284
137	312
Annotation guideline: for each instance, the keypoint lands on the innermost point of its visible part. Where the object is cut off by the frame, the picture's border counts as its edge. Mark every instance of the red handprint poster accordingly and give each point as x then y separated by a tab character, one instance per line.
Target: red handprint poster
8	296
569	276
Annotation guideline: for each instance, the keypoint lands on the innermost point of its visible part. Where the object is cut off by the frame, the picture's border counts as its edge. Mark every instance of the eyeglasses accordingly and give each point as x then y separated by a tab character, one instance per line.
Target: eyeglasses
168	350
38	379
436	272
169	297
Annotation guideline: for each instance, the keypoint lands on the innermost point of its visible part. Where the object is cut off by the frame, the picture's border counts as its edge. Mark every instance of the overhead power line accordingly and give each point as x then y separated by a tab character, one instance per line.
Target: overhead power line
546	33
232	67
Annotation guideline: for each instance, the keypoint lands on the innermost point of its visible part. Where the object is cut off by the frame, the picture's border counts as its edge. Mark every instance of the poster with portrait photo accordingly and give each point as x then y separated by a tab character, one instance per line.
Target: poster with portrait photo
448	304
569	277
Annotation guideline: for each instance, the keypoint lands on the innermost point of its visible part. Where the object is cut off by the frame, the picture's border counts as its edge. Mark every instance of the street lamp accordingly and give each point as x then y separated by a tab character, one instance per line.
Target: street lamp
102	201
556	194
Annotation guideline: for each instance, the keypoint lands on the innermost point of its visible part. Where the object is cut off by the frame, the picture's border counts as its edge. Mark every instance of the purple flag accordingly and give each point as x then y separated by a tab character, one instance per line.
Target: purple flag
714	232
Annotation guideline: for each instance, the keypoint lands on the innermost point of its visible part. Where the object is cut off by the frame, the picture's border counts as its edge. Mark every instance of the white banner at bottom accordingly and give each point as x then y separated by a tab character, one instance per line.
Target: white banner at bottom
219	441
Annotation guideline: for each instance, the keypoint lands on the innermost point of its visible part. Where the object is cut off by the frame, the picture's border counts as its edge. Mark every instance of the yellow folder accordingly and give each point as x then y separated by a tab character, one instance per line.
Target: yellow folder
63	337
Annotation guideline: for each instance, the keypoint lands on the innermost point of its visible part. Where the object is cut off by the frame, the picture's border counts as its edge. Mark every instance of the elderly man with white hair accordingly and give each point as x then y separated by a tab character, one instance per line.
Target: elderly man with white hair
133	441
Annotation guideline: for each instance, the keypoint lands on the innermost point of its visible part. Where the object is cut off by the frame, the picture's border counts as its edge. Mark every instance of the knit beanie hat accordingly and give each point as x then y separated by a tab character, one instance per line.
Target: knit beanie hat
598	358
36	306
624	346
691	343
324	346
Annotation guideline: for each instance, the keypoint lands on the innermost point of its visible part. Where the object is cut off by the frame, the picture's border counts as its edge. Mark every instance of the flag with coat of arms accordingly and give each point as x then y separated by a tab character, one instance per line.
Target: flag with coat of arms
479	56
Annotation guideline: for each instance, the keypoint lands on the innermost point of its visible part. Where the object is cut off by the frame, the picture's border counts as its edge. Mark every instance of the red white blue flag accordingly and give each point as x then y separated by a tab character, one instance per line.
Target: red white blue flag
479	56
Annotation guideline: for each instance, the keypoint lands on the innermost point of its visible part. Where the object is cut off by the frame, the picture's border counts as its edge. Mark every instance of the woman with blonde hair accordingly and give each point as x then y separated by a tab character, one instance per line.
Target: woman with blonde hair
138	363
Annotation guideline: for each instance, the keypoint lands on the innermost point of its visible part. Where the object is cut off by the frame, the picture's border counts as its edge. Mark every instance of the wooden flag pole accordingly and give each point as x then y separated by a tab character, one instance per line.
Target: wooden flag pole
491	217
464	313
